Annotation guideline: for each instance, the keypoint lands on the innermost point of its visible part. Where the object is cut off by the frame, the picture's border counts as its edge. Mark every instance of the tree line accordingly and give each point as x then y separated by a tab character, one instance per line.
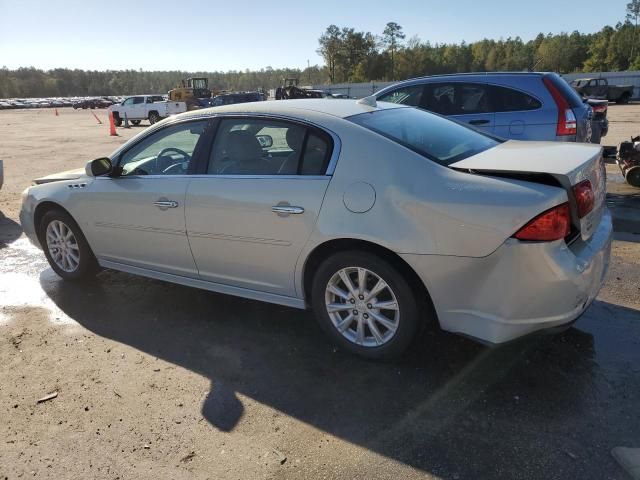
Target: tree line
352	56
63	82
355	56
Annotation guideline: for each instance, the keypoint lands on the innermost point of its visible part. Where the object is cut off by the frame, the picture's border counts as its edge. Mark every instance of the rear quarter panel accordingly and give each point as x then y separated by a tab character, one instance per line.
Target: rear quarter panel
422	207
539	124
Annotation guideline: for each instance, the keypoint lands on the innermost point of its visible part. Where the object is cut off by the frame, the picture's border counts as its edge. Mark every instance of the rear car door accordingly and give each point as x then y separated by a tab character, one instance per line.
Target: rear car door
467	102
520	116
252	209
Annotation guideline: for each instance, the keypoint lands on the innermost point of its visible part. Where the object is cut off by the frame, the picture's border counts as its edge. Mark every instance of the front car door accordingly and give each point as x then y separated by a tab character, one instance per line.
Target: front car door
250	213
138	109
137	218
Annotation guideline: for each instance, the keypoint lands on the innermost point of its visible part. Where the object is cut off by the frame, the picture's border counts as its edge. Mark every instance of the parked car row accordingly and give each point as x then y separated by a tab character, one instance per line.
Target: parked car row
58	102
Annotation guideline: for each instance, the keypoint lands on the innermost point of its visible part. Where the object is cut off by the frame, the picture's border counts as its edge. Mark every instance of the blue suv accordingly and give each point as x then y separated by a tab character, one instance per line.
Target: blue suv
519	105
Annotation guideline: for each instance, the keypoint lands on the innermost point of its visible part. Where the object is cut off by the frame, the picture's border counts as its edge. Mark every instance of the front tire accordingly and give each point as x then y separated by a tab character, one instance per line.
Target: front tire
66	247
365	305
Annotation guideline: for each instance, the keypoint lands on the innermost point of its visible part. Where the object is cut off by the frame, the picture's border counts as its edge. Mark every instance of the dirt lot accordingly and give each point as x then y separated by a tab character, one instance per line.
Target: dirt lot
155	380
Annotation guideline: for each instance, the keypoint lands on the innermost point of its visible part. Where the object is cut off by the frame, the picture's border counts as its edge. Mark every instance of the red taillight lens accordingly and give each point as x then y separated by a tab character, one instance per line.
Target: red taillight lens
567	123
585	199
553	224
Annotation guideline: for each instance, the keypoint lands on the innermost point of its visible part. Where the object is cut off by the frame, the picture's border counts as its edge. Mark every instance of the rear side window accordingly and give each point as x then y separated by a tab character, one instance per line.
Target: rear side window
509	100
260	146
411	96
316	155
432	136
456	98
570	95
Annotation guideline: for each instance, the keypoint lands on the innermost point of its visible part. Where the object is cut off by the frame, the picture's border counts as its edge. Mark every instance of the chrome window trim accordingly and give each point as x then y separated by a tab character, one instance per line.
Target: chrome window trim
202	175
333	161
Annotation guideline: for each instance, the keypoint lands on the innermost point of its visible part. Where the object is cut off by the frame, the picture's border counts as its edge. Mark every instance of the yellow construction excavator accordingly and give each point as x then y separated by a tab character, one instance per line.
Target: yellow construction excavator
191	91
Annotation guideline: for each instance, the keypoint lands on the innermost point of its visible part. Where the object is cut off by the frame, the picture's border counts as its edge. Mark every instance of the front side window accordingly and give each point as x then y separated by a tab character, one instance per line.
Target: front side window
267	147
411	96
128	101
137	100
434	137
166	152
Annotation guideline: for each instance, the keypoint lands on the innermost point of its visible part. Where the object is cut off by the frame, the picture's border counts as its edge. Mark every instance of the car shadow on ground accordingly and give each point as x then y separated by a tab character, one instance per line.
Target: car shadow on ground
10	230
541	407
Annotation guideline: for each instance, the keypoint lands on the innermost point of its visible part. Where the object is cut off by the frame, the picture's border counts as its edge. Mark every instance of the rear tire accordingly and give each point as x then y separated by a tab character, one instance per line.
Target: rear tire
624	99
66	247
154	117
348	313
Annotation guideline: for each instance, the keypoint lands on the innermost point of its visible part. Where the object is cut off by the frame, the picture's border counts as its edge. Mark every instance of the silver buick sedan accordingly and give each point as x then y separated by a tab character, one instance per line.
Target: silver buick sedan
380	217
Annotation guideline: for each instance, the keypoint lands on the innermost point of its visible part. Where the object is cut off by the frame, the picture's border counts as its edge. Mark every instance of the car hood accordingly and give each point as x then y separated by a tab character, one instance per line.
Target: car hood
57	177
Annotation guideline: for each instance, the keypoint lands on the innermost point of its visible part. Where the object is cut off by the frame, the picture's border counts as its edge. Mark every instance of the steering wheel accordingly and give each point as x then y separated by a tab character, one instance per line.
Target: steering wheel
164	152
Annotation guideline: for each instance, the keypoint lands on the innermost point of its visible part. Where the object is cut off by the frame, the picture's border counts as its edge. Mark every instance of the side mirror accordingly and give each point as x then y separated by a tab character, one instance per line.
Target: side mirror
265	141
98	167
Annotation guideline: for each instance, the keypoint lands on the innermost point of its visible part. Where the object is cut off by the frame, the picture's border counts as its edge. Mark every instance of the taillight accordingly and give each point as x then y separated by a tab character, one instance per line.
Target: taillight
567	123
553	224
599	108
585	199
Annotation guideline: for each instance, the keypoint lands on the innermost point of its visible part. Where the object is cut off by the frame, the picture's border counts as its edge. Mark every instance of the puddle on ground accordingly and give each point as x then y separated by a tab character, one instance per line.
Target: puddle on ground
24	270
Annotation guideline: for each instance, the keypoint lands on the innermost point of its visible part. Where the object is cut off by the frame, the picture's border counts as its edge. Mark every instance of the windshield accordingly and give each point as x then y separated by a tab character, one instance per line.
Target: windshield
435	137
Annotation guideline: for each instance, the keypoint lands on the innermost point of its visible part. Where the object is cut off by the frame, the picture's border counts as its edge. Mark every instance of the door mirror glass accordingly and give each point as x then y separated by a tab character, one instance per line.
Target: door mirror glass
266	141
100	166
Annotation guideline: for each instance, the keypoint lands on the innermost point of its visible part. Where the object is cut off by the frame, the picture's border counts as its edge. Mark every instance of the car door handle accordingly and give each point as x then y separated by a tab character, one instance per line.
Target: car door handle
164	204
287	210
479	122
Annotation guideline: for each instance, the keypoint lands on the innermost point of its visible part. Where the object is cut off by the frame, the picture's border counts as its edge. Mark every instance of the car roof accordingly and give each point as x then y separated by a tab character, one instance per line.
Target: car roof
296	108
469	75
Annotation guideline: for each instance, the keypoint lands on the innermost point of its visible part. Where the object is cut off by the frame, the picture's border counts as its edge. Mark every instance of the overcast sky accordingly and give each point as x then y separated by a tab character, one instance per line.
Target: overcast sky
209	35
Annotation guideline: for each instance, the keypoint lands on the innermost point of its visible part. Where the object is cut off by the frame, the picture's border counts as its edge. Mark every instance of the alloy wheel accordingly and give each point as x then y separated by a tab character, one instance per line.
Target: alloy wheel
63	246
362	306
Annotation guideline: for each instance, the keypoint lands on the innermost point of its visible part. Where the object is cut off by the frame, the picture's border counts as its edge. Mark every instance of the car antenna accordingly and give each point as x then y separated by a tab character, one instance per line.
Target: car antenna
536	64
369	101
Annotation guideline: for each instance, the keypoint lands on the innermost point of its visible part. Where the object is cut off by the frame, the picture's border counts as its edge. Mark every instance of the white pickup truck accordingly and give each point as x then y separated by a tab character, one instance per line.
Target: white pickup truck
145	107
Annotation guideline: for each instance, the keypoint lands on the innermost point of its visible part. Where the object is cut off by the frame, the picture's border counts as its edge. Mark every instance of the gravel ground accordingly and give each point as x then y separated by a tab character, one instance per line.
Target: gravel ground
155	380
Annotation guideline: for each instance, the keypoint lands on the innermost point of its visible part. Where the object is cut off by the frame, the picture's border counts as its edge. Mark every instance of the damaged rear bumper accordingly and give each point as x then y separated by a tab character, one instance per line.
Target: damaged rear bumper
520	288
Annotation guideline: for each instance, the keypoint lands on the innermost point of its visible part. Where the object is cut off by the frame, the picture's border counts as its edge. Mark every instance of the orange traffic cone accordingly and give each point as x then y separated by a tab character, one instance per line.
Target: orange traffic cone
96	117
112	126
56	111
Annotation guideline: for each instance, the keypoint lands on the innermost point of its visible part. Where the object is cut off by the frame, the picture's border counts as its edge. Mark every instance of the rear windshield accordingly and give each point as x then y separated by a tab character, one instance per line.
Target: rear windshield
435	137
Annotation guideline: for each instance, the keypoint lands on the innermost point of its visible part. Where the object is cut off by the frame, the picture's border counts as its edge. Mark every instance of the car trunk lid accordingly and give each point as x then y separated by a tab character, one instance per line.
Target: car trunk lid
565	164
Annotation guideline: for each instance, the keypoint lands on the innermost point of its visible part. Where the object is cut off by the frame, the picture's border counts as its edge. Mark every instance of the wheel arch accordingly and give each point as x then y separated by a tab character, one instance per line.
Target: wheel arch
323	250
41	209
